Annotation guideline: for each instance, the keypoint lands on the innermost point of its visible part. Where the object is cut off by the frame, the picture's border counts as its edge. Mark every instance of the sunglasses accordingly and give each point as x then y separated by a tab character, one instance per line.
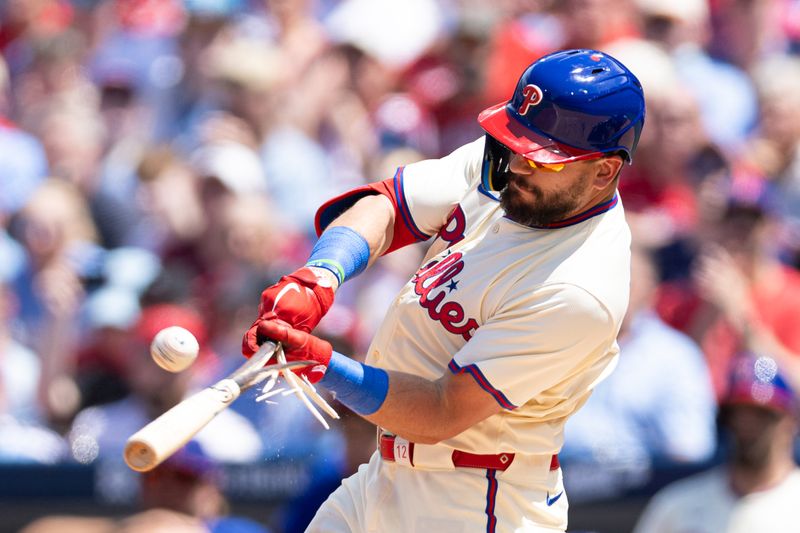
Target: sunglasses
558	167
547	167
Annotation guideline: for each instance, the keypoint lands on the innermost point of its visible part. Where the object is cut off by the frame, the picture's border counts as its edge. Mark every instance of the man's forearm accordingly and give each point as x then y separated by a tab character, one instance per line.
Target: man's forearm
373	218
407	405
353	241
415	408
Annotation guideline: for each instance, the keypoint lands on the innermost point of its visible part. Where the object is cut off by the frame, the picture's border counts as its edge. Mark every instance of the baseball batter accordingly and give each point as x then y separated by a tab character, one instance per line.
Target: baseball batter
507	325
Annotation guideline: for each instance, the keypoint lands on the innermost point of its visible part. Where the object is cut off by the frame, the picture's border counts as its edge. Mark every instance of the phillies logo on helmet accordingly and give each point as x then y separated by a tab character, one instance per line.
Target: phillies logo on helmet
531	96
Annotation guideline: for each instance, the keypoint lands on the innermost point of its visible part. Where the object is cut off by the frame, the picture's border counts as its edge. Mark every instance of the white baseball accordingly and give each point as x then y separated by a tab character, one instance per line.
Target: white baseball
174	348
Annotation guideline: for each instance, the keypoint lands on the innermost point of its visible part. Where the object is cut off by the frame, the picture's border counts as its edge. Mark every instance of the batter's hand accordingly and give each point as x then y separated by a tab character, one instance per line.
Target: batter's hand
297	299
298	346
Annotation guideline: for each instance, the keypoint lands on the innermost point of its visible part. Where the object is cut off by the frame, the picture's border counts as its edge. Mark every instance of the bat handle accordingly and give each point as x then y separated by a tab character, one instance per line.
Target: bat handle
159	439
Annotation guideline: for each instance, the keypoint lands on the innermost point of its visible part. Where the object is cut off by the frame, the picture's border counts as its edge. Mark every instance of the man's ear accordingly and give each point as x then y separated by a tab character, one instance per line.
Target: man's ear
606	170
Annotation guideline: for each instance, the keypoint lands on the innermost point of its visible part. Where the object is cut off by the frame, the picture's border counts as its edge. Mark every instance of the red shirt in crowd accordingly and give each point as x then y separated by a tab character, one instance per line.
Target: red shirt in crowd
776	304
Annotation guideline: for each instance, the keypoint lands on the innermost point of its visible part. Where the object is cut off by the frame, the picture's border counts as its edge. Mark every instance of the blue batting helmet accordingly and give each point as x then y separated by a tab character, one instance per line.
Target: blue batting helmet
567	106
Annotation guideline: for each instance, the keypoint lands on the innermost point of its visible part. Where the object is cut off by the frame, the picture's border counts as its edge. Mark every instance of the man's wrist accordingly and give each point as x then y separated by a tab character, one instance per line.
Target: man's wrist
342	251
325	277
360	387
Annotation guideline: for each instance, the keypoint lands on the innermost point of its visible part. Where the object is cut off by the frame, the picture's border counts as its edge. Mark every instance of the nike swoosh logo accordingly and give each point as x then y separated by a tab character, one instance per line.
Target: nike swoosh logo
287	288
554	499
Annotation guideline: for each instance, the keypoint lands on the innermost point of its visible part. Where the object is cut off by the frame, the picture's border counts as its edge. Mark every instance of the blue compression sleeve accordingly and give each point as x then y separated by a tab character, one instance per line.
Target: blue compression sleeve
360	387
343	251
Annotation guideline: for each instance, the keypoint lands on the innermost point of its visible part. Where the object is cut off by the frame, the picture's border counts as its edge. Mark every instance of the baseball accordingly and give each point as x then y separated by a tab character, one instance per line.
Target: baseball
174	348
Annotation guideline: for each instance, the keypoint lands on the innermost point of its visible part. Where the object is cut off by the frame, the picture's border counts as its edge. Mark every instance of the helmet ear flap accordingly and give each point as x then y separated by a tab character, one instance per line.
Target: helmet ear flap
495	170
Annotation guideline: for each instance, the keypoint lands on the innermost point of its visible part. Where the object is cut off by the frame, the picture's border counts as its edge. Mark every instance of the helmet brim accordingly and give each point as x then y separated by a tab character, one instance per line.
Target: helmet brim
496	121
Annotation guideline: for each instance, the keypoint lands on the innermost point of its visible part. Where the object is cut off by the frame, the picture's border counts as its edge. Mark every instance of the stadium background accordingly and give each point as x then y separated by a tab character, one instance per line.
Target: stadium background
161	161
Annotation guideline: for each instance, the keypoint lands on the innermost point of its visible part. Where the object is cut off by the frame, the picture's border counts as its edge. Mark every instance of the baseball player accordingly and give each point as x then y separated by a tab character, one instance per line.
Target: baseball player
759	487
507	325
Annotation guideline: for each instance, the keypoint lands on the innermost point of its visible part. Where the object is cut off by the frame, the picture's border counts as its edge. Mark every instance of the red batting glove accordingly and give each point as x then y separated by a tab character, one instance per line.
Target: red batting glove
299	346
297	299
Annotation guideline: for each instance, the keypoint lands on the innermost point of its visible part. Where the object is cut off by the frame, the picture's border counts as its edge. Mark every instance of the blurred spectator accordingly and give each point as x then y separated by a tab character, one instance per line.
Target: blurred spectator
249	76
134	62
182	495
683	28
744	297
169	201
101	431
189	483
446	84
298	32
675	157
745	31
681	177
245	245
73	139
227	168
53	78
23	434
21	21
658	404
522	33
661	197
758	487
774	149
59	238
326	124
128	124
393	33
401	122
229	235
100	359
194	94
109	313
21	156
595	23
62	257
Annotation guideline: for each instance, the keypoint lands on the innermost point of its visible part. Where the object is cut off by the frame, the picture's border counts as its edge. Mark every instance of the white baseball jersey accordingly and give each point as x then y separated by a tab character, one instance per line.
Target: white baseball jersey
706	503
531	313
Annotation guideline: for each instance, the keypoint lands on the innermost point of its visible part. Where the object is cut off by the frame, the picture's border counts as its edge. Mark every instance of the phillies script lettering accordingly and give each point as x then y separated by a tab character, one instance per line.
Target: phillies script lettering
432	283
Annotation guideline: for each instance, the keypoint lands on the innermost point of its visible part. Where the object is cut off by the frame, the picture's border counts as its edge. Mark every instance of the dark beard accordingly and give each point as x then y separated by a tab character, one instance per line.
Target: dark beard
545	212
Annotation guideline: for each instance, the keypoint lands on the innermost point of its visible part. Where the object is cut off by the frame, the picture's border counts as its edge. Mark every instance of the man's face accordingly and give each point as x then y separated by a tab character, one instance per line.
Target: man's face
538	197
753	429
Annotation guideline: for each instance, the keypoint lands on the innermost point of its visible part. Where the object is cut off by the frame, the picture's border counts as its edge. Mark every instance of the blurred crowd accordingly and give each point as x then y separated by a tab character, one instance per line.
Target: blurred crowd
161	162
